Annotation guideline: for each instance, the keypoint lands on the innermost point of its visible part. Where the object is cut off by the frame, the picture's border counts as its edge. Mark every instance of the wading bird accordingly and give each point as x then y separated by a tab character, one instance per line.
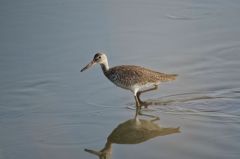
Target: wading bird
137	79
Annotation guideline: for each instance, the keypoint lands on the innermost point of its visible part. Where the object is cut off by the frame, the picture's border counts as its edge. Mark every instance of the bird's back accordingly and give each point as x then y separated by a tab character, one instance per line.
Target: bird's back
129	75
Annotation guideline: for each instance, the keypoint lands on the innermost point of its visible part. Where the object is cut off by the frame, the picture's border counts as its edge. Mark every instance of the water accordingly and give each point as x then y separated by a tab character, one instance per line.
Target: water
48	109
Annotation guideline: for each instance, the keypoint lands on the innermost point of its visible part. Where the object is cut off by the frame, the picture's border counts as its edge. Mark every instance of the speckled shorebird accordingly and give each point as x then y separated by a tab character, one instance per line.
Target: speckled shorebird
137	79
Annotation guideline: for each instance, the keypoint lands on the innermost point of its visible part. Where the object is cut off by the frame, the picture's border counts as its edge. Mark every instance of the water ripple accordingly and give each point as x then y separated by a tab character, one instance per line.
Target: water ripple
218	104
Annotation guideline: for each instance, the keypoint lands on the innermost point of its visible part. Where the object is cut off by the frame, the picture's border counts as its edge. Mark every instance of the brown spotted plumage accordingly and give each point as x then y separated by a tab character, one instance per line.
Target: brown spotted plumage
129	75
134	78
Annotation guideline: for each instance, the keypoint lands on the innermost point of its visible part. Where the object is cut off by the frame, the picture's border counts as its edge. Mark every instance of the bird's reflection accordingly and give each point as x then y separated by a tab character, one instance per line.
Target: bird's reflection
133	131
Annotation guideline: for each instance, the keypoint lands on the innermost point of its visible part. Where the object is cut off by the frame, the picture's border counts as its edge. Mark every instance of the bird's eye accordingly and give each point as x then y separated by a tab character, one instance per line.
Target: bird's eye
99	57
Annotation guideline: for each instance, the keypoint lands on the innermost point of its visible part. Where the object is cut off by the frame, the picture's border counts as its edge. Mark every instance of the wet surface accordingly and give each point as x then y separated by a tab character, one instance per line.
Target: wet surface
48	109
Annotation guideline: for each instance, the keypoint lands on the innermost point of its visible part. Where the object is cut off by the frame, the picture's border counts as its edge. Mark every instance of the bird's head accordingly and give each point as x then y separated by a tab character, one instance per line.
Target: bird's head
99	58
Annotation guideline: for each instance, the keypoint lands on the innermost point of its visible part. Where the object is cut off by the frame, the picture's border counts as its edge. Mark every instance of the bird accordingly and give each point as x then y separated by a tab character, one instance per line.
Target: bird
137	79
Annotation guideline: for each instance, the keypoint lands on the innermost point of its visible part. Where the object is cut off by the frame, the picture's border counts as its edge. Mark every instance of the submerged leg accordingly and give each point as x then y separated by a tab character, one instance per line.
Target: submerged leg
138	106
138	110
144	91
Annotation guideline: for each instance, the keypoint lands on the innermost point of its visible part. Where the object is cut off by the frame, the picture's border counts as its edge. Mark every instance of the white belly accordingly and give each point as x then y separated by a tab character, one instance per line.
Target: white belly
135	88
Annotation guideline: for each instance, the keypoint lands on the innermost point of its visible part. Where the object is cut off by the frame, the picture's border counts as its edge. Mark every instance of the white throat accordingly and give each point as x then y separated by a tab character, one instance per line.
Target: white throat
105	66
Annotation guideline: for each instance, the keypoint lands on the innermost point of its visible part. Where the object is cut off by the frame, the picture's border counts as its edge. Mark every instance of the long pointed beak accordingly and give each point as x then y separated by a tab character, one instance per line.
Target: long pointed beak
88	66
97	153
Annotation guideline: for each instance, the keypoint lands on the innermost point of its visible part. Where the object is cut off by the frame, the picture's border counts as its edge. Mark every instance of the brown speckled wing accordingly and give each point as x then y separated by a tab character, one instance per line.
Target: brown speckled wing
129	75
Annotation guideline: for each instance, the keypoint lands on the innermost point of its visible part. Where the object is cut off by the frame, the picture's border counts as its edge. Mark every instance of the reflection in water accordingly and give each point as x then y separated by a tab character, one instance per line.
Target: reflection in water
133	131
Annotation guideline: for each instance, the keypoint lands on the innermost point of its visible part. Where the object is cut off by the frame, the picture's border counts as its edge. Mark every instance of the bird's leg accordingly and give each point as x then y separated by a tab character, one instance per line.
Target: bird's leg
138	109
140	103
144	91
138	106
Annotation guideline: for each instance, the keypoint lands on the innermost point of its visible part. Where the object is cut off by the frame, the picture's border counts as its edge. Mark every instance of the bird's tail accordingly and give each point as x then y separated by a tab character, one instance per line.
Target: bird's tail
169	77
173	76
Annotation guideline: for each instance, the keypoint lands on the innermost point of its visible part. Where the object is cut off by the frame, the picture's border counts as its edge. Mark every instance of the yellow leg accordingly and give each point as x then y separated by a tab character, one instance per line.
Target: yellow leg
138	106
140	92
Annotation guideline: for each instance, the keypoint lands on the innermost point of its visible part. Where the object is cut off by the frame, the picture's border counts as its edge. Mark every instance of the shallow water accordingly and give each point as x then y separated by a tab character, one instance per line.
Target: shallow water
48	109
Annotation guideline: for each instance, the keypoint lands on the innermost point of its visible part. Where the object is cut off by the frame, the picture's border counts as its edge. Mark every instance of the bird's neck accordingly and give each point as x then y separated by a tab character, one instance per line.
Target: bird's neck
105	66
106	152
